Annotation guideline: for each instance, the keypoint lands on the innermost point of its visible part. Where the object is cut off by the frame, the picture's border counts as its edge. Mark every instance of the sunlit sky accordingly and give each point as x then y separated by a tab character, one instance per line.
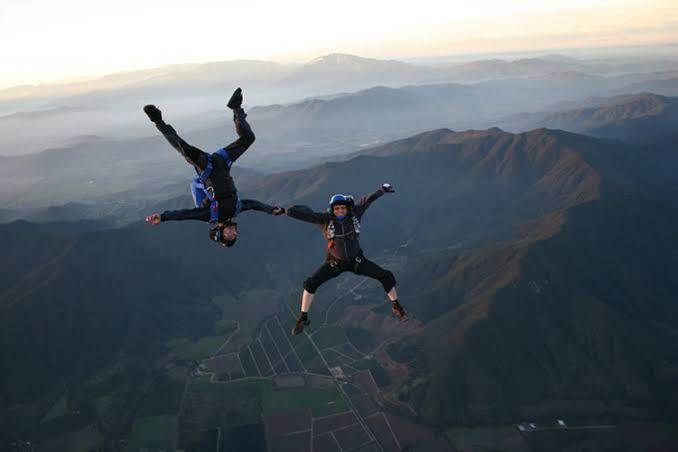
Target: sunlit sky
45	40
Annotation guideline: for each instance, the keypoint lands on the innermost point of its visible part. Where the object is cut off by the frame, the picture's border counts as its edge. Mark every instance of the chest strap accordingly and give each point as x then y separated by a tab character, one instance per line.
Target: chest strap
205	174
332	231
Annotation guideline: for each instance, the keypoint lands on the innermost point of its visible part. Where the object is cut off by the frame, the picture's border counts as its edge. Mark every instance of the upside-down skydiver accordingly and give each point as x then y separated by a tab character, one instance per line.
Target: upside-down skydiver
214	193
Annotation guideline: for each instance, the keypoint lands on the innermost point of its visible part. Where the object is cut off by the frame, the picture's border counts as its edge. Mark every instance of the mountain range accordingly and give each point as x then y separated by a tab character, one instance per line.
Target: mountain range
109	106
123	173
638	118
537	260
541	265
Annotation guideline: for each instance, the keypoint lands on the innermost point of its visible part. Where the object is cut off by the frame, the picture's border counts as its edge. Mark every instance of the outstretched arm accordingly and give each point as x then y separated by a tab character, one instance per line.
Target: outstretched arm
304	213
199	214
364	202
253	204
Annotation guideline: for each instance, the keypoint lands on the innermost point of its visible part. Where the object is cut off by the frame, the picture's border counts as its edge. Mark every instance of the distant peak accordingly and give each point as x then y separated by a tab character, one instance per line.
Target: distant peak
436	133
557	134
644	96
492	131
335	58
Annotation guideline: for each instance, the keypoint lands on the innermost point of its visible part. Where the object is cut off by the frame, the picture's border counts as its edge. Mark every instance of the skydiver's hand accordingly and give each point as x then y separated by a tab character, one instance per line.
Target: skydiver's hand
154	219
278	211
154	114
388	188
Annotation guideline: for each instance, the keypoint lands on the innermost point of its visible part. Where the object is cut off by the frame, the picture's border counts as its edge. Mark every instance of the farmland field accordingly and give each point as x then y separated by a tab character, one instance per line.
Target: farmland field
154	432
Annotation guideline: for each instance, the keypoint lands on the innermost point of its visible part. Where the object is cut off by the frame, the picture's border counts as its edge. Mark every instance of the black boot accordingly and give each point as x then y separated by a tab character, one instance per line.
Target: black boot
154	114
398	310
235	102
301	322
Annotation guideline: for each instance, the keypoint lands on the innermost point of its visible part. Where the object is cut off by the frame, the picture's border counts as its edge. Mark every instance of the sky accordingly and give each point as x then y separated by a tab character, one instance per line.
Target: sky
44	41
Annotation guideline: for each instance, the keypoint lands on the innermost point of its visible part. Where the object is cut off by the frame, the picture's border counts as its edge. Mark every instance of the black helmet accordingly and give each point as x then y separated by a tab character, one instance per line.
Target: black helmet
216	234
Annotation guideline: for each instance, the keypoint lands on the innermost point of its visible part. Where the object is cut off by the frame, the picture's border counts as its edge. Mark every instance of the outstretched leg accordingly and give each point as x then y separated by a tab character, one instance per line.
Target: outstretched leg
191	154
242	128
326	272
366	267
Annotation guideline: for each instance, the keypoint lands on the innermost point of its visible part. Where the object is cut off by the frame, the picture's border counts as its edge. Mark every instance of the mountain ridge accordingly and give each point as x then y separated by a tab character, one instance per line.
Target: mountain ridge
504	232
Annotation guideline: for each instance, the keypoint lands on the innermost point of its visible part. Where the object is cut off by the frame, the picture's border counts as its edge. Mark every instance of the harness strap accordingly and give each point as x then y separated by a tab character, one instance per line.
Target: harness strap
331	229
204	176
356	261
224	154
214	211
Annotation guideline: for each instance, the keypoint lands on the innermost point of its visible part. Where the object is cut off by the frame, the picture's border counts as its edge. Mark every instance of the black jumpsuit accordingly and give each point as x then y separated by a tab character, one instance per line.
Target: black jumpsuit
344	251
220	179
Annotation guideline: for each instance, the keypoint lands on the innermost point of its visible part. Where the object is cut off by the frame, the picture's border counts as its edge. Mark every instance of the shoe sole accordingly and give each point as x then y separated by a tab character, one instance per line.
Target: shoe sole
301	330
402	318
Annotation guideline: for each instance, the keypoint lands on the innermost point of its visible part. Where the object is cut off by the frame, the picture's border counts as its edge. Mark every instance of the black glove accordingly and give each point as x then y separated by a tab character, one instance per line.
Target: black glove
388	188
153	113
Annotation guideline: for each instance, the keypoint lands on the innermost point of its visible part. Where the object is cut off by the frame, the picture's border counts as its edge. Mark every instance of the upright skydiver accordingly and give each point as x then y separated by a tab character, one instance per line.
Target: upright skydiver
340	225
214	192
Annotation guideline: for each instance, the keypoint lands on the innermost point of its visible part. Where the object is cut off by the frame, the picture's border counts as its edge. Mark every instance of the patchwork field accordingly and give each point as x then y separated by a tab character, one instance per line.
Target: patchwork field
154	432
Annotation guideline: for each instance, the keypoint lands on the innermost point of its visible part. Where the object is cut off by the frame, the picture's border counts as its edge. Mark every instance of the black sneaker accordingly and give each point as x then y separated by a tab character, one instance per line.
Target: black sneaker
398	310
153	113
235	101
299	325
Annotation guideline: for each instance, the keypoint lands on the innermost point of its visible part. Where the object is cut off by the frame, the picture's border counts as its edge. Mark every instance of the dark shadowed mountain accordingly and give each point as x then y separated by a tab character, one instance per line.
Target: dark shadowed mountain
84	298
541	264
638	118
575	319
647	120
570	312
494	178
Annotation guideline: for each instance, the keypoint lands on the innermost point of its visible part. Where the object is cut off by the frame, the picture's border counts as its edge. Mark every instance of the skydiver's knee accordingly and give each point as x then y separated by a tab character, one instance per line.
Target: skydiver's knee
388	281
248	137
310	285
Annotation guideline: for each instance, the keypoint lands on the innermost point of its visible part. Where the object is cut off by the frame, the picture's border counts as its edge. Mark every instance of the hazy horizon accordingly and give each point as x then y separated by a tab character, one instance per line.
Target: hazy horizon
582	52
80	41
